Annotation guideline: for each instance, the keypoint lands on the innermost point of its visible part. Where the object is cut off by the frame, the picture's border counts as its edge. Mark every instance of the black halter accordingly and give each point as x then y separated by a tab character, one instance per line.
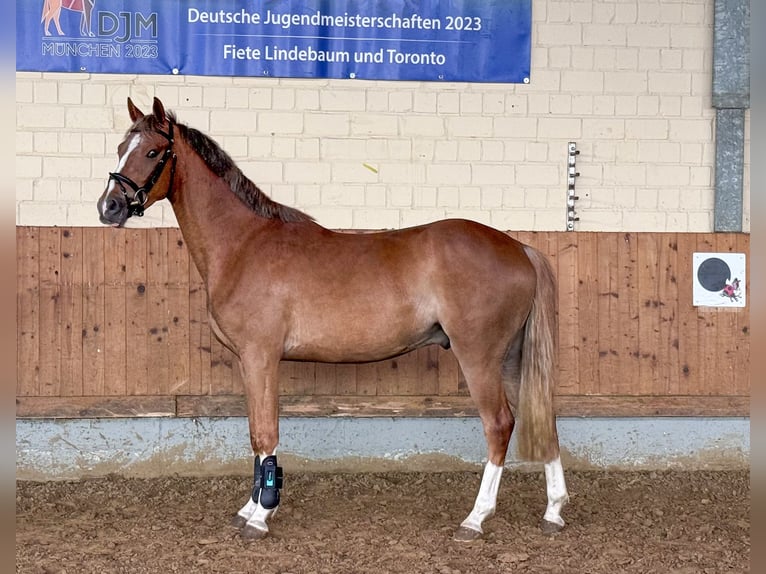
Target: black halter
141	194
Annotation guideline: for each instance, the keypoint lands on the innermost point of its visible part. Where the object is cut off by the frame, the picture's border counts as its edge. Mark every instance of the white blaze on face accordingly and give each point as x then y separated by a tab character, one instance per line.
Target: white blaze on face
132	145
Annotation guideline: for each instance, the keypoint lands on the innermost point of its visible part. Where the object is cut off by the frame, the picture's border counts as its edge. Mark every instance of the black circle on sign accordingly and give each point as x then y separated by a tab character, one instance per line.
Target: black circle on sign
713	274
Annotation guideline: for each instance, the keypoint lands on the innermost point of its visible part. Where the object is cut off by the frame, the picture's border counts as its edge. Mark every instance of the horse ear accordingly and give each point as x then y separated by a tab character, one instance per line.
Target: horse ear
159	110
135	113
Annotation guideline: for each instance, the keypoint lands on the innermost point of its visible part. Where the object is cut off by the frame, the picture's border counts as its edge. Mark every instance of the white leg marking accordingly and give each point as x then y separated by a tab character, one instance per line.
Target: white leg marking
255	514
557	491
121	164
486	500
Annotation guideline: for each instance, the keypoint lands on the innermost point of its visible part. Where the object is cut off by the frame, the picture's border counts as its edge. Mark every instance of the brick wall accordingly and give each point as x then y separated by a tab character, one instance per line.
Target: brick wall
629	81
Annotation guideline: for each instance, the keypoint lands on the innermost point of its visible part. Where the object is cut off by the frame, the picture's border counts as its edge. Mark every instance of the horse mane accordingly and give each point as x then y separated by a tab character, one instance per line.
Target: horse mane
221	164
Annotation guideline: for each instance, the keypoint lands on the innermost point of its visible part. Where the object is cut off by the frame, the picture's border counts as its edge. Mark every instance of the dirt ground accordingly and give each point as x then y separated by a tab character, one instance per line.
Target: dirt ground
647	522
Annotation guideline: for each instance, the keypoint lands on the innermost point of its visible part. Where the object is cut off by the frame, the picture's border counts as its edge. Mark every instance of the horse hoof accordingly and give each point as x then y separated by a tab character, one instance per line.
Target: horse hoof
464	534
250	532
238	521
549	528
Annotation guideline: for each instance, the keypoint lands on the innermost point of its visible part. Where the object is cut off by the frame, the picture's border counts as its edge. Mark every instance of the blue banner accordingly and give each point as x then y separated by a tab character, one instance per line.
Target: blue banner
430	40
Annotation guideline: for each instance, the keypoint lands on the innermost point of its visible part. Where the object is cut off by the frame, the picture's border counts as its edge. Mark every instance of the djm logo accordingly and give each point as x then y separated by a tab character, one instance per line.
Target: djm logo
52	12
121	26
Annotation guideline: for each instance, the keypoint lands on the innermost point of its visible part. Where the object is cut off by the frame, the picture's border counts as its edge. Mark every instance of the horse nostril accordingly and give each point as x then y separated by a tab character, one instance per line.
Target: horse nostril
112	206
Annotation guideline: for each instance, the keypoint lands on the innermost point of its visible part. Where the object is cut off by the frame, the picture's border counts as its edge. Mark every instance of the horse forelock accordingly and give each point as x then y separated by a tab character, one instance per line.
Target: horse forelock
223	166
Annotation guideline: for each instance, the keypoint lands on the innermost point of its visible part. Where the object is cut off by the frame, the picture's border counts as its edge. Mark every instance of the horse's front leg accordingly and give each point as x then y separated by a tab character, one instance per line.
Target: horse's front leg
260	377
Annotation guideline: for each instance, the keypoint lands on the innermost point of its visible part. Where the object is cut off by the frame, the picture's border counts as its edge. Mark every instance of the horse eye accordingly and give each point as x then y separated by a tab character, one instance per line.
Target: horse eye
152	153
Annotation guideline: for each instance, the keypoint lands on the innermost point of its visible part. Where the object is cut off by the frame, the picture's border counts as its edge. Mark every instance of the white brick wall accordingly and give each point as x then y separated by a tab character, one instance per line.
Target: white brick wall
629	81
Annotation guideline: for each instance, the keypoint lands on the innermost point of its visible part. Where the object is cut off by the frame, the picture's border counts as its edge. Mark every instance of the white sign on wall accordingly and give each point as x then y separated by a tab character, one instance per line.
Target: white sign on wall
718	279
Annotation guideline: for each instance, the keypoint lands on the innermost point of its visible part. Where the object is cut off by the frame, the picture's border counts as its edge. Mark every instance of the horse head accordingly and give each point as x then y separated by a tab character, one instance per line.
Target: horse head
142	157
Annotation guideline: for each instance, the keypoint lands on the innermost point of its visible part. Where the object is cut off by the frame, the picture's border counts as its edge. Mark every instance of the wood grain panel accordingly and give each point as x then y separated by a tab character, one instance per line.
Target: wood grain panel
178	314
137	313
627	380
345	406
648	315
27	311
115	314
588	287
610	354
569	332
70	302
741	339
707	339
688	349
50	313
669	339
108	315
93	312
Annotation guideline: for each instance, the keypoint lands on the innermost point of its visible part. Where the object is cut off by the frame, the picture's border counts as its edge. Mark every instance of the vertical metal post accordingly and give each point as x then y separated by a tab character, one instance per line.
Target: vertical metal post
731	96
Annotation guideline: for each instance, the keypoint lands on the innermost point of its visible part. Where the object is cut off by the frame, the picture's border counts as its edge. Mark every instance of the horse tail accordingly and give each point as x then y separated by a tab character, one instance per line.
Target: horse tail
537	437
46	8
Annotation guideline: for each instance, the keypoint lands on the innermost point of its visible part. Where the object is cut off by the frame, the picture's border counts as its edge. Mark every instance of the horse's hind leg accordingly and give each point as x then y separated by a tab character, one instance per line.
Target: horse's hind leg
557	496
554	473
487	391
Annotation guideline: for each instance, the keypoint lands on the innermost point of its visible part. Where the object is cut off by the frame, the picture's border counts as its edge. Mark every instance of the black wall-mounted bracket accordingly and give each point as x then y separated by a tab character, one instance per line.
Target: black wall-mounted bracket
572	173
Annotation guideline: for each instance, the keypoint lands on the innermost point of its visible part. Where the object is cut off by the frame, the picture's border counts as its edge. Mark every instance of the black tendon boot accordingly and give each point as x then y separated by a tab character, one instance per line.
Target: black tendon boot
267	479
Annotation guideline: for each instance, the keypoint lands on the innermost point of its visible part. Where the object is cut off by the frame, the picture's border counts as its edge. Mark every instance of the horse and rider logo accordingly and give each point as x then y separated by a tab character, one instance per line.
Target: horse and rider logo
52	13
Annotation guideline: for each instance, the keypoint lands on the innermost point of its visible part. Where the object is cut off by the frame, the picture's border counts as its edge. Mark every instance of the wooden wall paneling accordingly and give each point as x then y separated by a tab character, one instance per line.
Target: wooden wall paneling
71	312
325	379
427	379
405	369
95	275
387	378
648	314
608	313
667	290
707	333
296	378
115	312
347	375
569	346
742	378
157	319
415	406
335	379
139	319
93	311
50	319
689	364
726	332
627	381
588	283
367	375
178	314
27	311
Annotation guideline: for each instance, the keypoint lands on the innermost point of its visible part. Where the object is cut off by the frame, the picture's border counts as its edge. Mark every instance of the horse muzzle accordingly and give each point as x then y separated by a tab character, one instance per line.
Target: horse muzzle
113	211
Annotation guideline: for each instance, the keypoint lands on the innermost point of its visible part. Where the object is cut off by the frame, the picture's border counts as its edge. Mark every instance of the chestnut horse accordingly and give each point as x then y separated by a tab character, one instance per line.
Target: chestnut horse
280	286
